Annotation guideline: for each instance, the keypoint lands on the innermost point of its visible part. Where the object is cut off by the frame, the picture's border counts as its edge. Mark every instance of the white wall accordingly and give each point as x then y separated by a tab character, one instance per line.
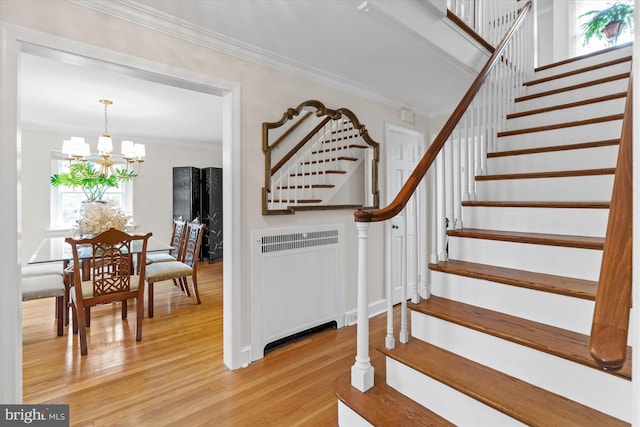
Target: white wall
266	94
152	205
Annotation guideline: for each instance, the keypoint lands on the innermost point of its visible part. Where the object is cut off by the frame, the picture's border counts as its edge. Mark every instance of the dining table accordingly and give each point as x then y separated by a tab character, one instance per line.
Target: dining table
55	249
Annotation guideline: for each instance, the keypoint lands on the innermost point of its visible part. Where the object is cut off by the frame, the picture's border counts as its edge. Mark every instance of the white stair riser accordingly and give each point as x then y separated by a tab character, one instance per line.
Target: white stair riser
570	221
575	79
450	404
570	135
347	417
565	115
581	188
588	92
606	393
561	261
585	62
561	311
587	158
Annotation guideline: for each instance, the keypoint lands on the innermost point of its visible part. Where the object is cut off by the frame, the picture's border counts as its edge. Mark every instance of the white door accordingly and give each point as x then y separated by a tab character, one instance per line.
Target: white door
405	147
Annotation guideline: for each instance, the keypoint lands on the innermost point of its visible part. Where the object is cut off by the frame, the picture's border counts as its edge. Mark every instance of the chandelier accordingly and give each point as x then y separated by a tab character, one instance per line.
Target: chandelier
78	151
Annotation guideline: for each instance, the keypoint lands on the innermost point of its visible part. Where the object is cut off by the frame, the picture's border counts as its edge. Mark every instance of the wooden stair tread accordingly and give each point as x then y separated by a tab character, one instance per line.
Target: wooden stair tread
536	204
578	71
318	173
584	242
516	398
568	105
553	148
573	87
539	336
383	406
575	123
580	57
288	187
333	159
549	174
569	286
296	201
328	150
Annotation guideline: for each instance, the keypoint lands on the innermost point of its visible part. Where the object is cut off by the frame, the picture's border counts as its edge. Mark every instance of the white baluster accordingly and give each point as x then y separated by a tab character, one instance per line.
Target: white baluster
433	215
362	370
457	175
440	210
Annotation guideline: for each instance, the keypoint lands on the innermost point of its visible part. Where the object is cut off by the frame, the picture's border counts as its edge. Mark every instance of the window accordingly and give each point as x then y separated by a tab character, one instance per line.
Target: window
66	202
584	6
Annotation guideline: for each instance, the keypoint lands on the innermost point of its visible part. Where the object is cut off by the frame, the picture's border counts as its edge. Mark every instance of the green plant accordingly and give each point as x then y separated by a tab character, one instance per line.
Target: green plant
93	184
617	12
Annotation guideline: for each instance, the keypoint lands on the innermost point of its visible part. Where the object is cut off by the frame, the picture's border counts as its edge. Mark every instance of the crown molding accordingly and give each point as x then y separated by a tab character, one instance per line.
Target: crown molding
148	17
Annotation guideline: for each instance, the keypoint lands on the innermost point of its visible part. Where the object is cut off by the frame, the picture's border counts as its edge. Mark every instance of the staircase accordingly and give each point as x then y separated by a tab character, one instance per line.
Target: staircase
503	339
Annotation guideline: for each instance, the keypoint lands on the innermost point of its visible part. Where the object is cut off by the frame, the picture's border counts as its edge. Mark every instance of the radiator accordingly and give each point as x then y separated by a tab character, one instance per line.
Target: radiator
297	282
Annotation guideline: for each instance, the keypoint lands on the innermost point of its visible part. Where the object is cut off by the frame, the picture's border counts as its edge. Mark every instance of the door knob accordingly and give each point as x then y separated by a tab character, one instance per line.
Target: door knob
395	227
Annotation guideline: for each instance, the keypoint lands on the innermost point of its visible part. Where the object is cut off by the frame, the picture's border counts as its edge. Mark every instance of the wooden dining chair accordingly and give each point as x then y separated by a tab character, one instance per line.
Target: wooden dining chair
177	241
113	277
181	269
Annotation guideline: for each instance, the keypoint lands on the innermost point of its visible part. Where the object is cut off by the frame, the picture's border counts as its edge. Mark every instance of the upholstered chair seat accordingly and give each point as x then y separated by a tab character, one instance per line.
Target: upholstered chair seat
46	286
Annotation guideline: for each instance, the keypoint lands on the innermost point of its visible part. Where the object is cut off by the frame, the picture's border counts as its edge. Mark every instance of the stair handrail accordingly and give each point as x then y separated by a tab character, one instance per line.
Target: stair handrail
362	372
407	190
299	145
610	324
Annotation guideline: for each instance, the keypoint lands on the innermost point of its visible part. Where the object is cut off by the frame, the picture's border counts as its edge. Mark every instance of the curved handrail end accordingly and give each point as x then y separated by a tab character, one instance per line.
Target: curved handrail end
607	354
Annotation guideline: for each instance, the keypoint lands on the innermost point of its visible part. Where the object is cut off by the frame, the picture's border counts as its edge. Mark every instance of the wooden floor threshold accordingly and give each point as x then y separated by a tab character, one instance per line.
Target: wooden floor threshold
533	405
536	204
568	105
556	126
383	406
549	174
568	286
554	148
573	87
581	242
558	342
579	71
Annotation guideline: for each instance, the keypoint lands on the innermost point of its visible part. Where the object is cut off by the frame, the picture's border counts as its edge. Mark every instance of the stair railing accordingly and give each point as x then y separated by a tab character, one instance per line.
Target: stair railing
610	325
488	19
471	130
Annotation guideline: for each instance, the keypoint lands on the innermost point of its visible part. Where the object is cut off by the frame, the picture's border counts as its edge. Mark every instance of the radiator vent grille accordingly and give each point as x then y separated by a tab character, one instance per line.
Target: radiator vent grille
285	242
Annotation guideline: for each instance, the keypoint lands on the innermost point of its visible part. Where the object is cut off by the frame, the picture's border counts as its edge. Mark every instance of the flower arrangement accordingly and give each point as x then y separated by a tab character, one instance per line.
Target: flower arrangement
101	216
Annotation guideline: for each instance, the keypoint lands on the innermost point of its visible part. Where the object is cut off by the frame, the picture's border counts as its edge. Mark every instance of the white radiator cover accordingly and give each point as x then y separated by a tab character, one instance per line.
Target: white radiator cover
297	282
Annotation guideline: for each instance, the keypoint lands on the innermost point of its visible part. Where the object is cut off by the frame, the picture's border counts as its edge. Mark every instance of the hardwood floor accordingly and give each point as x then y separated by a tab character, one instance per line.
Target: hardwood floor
175	376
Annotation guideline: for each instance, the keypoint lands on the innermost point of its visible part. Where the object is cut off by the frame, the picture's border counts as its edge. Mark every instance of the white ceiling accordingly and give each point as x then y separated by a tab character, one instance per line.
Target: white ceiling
371	50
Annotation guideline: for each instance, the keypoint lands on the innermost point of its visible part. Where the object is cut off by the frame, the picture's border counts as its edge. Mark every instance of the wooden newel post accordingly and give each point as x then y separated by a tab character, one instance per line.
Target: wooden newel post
362	371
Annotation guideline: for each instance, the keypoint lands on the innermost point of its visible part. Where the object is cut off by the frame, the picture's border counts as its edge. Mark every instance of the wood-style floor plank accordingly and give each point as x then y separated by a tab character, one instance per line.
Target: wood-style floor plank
176	376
